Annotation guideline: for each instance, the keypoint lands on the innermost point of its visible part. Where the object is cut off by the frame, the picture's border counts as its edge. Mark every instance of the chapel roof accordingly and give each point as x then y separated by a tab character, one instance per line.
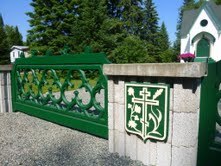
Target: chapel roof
190	16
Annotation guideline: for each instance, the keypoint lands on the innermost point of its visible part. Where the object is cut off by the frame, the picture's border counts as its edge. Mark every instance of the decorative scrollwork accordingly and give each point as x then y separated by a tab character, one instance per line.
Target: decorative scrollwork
70	90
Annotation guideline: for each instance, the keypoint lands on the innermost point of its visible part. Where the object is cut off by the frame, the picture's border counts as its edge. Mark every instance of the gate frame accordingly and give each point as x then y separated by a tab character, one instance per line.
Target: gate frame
209	151
86	59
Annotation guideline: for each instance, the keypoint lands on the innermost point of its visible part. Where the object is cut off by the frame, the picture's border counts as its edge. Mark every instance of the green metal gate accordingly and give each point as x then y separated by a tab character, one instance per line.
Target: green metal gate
69	90
209	146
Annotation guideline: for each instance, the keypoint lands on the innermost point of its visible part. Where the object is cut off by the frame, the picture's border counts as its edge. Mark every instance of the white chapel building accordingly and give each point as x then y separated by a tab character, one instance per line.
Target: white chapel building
201	32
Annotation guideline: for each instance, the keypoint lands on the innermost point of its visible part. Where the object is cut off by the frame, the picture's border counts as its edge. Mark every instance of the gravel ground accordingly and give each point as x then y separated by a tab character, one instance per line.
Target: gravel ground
29	141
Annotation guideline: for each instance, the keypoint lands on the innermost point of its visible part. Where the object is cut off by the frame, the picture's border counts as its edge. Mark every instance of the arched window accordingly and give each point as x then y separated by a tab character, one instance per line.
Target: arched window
203	48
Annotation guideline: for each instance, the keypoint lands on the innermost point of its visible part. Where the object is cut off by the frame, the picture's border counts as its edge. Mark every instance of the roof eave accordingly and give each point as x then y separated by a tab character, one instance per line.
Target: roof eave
213	18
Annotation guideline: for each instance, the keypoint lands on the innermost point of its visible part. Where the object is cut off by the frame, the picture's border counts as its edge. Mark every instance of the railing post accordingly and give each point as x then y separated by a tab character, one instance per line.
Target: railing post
5	88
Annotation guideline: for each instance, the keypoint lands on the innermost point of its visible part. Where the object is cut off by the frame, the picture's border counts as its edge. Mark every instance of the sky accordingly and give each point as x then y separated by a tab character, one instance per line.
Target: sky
13	13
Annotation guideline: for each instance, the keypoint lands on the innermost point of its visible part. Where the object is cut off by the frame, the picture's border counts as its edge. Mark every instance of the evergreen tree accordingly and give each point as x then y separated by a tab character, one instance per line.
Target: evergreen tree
129	12
187	4
166	52
1	21
131	15
150	22
150	30
164	42
115	27
14	37
88	26
51	22
218	2
4	48
124	20
18	36
131	50
114	8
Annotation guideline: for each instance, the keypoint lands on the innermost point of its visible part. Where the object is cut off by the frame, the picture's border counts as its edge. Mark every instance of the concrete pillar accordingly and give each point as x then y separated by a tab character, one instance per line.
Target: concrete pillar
181	145
5	88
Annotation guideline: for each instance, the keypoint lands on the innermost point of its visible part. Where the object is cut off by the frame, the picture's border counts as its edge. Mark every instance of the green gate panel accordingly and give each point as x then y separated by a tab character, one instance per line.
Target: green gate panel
209	148
70	90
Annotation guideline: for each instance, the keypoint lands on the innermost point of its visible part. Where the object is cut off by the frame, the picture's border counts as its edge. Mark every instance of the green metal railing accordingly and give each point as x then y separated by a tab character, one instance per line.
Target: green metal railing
69	89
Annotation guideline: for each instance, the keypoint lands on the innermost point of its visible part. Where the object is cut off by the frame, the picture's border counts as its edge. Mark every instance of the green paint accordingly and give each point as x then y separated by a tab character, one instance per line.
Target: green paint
203	59
209	149
54	88
203	48
146	110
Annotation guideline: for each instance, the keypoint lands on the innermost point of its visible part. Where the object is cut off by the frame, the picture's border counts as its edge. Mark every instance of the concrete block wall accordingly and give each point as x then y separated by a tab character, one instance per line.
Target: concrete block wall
5	89
180	148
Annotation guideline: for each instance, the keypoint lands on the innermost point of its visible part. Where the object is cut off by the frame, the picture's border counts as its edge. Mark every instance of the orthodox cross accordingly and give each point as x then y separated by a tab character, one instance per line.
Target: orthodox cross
145	102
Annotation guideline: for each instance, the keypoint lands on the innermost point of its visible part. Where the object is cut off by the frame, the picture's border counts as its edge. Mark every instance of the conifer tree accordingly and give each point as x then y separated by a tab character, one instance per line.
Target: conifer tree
114	8
131	15
131	50
18	37
150	22
1	21
51	22
106	25
166	52
150	30
14	37
4	48
164	42
88	26
218	2
127	11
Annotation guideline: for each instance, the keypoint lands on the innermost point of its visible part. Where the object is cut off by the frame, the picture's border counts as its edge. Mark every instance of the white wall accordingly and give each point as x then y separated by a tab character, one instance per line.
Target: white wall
14	54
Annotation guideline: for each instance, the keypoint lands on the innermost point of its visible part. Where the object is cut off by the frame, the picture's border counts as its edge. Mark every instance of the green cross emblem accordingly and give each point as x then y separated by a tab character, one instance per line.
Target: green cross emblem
146	110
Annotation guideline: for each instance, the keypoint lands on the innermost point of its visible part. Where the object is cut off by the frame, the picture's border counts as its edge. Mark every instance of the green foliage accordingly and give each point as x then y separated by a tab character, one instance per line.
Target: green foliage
150	26
164	41
87	29
168	56
9	36
132	50
166	53
126	30
4	47
14	37
51	23
1	21
218	2
132	16
138	22
198	4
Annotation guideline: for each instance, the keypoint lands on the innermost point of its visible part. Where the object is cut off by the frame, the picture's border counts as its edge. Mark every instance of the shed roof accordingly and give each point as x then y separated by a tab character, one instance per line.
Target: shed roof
190	16
20	47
